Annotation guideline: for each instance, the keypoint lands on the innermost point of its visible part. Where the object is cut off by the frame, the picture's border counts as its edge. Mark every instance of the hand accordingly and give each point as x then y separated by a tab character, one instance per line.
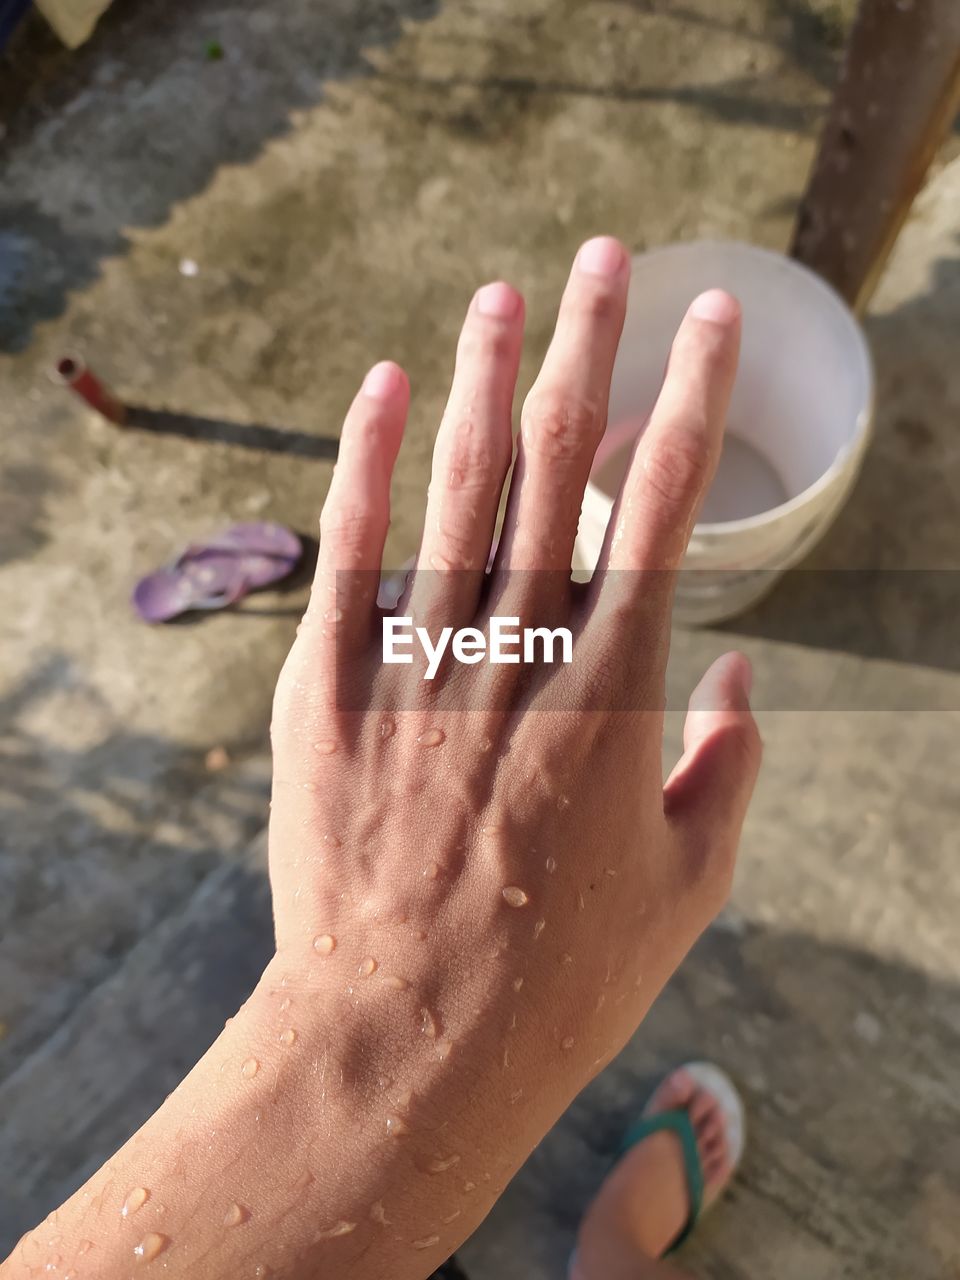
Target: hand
474	908
486	902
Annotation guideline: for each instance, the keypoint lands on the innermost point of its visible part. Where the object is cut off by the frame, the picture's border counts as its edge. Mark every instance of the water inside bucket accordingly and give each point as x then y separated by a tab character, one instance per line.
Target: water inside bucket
745	484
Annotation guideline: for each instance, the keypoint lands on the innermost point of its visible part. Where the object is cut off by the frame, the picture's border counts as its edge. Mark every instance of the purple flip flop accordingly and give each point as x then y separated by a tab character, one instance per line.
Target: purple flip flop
218	572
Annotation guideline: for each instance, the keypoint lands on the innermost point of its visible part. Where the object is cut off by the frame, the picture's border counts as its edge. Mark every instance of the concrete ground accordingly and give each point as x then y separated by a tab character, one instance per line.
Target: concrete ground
343	177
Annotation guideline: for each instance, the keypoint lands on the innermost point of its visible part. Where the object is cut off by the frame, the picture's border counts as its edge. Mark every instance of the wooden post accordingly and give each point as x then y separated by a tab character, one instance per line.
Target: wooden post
898	95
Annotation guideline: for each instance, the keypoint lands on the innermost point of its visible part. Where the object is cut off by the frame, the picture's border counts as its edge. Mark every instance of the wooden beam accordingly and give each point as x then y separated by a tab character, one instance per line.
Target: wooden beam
898	95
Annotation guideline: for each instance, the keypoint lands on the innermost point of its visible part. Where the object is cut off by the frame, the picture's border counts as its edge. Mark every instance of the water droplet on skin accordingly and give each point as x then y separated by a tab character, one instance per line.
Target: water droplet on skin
431	737
137	1198
285	1004
566	1043
288	1037
469	1186
404	1100
493	829
484	744
261	1271
601	1001
420	935
513	1023
249	1068
538	928
151	1246
440	1164
309	786
432	872
338	1229
563	802
388	727
395	982
367	966
332	842
396	1128
333	615
428	1024
451	1217
638	982
551	865
514	1099
84	1246
235	1215
506	1059
609	871
427	1242
325	944
514	897
580	902
325	748
377	1213
517	984
566	958
444	1049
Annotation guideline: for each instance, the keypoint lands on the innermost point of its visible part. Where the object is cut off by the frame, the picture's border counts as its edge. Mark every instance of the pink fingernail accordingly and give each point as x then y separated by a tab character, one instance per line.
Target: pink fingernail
715	305
602	256
498	301
382	380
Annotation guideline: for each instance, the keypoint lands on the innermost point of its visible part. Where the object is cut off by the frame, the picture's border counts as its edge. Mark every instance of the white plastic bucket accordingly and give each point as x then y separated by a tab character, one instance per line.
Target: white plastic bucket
797	430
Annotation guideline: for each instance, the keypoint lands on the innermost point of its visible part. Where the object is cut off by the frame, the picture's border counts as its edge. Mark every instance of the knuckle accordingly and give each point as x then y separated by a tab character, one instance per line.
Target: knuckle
484	343
559	426
477	460
600	304
345	524
675	469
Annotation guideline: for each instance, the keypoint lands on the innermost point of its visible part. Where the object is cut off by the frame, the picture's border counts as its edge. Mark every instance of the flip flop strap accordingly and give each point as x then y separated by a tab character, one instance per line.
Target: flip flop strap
677	1122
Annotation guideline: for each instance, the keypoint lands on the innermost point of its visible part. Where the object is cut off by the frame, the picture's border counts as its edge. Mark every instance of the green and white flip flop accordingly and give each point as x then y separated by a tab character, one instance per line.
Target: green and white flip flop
721	1088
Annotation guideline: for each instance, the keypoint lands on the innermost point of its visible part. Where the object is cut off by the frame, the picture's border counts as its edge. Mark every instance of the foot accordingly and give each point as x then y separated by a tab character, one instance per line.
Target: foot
644	1203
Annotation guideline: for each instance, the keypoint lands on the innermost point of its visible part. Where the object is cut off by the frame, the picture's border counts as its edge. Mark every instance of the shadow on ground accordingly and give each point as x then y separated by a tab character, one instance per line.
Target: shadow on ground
140	85
106	831
845	1060
273	62
848	1064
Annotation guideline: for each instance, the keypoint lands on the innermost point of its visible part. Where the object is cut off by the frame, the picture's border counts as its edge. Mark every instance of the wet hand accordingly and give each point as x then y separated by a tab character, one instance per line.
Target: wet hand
481	881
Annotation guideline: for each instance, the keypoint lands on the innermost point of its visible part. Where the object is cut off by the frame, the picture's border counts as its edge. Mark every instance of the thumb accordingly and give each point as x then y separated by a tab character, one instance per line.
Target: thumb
705	798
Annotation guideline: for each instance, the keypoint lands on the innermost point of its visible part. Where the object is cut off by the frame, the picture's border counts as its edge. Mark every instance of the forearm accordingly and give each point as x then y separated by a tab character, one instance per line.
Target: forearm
302	1143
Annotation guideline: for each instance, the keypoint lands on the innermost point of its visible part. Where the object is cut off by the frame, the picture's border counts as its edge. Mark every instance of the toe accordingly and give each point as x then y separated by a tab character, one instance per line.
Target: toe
702	1108
711	1129
676	1091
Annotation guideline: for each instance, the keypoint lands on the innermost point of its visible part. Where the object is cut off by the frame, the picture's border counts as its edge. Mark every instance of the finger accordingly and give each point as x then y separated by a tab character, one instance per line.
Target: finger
356	513
473	449
706	796
676	455
565	413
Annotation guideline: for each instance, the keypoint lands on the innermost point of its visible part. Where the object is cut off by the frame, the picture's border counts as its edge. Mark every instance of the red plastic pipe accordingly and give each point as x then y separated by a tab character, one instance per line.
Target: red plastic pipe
71	371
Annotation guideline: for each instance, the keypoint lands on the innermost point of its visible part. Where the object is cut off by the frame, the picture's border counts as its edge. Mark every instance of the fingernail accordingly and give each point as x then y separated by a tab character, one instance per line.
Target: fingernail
717	306
602	256
498	300
382	380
